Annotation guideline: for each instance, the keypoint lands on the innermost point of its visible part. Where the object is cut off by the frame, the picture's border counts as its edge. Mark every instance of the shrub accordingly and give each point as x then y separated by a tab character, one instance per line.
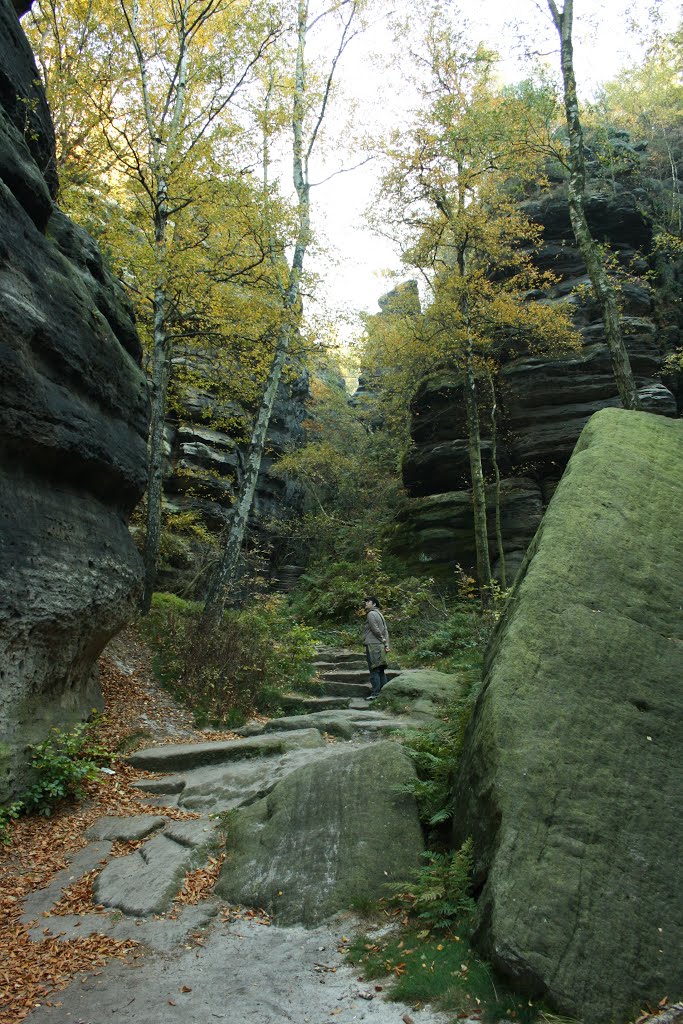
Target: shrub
62	764
243	665
435	752
334	591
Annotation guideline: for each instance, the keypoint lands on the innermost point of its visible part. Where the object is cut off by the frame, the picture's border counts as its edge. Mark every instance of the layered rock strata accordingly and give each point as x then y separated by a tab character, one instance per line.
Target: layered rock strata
571	774
204	470
543	401
73	426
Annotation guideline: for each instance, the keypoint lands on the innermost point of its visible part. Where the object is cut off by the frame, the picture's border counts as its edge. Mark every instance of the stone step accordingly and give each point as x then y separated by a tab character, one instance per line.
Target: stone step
355	675
306	704
177	757
332	688
337	655
335	666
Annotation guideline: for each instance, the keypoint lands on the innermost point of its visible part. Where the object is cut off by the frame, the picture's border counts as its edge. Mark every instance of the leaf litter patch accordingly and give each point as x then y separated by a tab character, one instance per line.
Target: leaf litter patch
33	971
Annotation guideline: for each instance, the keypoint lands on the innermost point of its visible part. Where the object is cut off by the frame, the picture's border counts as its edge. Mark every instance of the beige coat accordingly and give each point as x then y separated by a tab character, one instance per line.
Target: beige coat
376	631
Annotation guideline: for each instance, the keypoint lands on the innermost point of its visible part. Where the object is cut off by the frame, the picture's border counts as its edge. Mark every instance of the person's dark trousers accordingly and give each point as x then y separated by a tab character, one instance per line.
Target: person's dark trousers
377	676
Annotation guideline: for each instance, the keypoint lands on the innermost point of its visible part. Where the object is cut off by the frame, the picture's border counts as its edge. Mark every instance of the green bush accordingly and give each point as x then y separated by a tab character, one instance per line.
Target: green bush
435	752
334	591
243	665
62	764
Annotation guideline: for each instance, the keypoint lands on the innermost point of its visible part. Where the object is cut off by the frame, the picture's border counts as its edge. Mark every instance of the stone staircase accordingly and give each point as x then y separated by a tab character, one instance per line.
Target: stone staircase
342	681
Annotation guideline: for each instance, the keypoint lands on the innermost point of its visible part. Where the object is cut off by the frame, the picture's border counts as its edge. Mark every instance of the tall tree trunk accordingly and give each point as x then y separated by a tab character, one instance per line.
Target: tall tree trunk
161	372
496	470
225	570
223	575
481	533
481	538
604	292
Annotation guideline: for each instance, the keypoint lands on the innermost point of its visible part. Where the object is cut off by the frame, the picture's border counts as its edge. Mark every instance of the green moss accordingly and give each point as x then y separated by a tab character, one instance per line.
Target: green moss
421	968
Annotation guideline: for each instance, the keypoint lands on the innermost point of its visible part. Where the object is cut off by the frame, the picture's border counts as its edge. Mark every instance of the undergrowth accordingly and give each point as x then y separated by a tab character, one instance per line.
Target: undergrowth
428	954
61	765
439	969
244	665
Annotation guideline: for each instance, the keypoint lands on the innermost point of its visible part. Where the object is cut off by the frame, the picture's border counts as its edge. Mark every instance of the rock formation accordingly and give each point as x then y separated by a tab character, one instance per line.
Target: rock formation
73	427
204	468
319	840
571	774
544	402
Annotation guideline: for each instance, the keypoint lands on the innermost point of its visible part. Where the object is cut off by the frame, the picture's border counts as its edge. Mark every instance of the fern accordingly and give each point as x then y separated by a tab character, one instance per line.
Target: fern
440	895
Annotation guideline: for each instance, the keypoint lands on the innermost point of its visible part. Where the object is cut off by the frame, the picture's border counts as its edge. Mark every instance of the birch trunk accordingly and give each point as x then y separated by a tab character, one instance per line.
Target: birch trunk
163	152
223	575
496	470
604	292
481	539
161	372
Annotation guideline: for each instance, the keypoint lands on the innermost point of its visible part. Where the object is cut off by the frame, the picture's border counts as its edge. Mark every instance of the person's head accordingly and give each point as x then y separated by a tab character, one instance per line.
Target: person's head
370	603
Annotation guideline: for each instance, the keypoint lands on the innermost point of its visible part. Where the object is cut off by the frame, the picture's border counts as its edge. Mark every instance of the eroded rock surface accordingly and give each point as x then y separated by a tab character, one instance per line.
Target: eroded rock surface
73	427
572	769
544	401
330	833
145	882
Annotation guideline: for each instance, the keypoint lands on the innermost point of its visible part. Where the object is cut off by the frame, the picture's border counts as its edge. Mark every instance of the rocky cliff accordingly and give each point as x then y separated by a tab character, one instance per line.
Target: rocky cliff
543	402
73	426
571	774
204	469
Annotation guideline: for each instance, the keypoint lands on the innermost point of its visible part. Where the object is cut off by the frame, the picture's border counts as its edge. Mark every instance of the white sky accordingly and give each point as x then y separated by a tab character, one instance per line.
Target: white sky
352	273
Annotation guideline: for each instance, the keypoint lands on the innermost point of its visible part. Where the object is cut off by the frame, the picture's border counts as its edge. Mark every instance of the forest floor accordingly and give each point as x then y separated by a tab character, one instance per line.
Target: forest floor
275	974
137	713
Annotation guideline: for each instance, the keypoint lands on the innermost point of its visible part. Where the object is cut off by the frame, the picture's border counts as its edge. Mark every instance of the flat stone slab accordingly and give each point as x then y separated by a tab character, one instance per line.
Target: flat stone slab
344	689
181	756
242	973
344	724
337	654
355	675
218	788
305	702
159	933
41	901
145	882
125	829
329	833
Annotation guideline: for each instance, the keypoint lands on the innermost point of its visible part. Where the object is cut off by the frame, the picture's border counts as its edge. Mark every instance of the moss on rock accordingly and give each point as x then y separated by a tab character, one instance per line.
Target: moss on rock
329	834
572	770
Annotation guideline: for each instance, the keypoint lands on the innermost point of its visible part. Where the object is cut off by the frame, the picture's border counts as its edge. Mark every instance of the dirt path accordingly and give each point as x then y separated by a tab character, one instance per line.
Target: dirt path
201	962
241	971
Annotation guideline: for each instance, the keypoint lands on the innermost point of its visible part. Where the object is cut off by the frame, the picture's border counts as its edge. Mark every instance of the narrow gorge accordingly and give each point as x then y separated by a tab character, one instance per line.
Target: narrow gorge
216	819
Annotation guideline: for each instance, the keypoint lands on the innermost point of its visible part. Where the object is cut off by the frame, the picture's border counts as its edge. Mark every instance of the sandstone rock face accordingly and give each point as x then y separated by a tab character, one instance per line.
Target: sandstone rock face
544	402
327	834
572	771
204	467
73	425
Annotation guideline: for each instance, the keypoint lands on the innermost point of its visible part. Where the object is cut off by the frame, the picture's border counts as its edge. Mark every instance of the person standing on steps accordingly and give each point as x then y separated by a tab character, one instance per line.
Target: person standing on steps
376	640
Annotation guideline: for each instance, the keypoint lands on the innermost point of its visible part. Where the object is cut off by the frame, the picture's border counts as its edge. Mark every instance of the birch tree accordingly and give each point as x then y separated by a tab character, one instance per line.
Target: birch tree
309	107
576	193
190	59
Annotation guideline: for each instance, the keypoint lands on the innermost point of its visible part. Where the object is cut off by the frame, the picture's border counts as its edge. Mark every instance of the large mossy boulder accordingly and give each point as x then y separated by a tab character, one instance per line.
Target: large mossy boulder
424	693
328	835
572	772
